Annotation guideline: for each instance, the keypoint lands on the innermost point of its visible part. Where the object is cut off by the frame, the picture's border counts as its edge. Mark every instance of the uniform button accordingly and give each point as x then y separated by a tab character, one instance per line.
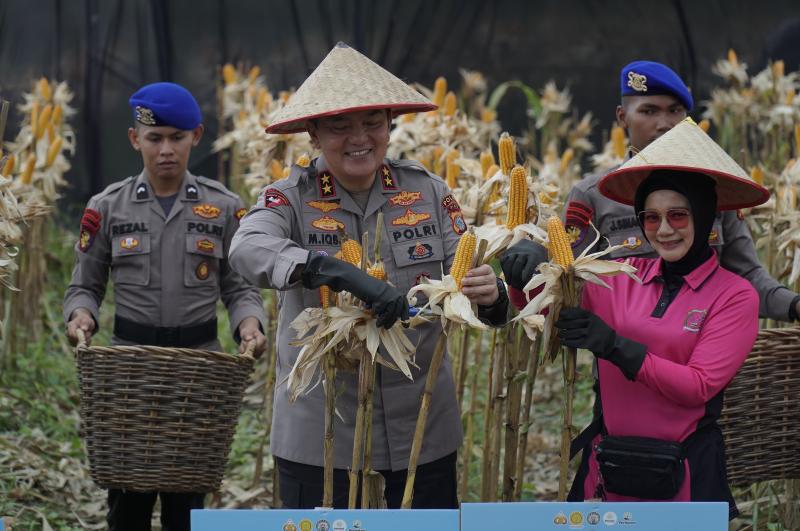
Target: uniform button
662	304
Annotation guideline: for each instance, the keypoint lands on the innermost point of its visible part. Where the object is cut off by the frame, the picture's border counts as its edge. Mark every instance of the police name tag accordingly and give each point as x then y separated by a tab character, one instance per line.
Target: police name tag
325	520
662	516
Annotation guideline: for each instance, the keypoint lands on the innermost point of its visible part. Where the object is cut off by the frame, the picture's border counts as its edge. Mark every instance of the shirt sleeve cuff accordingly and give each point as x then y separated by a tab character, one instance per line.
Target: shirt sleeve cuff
87	303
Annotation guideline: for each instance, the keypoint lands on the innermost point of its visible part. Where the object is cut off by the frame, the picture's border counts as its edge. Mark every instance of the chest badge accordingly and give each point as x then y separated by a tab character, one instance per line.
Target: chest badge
240	213
202	270
713	237
410	218
206	211
632	242
205	245
405	198
420	251
694	320
327	223
129	243
324	206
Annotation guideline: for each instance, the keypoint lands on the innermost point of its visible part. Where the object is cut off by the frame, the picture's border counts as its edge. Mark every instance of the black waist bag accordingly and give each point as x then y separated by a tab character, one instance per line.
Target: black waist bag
641	467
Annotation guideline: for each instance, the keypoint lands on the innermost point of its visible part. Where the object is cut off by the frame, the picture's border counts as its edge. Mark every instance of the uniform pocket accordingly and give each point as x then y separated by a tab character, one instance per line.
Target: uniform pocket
203	254
416	259
130	259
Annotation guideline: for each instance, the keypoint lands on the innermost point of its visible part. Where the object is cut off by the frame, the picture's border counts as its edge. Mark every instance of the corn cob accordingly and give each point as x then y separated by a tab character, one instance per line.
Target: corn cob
452	173
27	173
517	197
464	255
757	174
797	140
377	270
8	168
408	117
351	250
44	119
558	243
325	296
488	116
261	101
777	69
438	163
450	104
34	116
487	161
303	160
228	74
58	114
732	59
452	155
44	89
253	74
276	169
507	153
618	141
439	91
566	158
705	125
53	151
790	94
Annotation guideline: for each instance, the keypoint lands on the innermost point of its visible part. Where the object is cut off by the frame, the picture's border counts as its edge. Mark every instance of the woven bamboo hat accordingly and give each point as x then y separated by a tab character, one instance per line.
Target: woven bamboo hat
687	148
346	81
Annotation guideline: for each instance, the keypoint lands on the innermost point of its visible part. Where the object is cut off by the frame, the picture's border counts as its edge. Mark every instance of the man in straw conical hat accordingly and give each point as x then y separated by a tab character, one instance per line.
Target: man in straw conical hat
653	99
668	346
288	241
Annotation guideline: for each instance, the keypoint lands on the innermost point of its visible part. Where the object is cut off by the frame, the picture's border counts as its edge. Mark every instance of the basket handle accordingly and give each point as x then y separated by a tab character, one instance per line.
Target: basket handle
250	348
81	339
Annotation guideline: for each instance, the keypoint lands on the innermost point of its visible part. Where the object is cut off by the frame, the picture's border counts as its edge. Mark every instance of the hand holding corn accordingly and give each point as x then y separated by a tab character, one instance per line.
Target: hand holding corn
480	285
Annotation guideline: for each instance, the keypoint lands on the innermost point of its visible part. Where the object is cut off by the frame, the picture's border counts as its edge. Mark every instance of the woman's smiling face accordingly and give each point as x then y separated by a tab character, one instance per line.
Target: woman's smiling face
671	235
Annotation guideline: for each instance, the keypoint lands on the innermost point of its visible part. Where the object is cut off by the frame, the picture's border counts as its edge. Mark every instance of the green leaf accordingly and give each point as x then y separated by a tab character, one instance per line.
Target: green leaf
534	104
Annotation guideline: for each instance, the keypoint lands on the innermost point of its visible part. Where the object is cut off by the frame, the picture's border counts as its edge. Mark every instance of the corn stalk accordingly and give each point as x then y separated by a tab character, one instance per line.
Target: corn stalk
473	407
530	379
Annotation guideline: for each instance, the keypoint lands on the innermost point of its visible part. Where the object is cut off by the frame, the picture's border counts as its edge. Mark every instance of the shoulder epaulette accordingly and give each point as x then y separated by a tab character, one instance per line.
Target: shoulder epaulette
216	185
114	187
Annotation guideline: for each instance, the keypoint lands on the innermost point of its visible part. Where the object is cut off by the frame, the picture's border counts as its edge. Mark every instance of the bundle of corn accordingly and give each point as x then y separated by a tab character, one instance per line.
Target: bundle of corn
246	108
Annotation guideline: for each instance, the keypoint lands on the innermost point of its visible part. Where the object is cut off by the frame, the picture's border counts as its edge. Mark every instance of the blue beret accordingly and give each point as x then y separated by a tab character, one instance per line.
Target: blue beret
165	104
648	78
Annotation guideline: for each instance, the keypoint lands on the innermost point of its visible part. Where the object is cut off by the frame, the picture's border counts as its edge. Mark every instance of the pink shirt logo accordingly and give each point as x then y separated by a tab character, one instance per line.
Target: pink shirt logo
694	320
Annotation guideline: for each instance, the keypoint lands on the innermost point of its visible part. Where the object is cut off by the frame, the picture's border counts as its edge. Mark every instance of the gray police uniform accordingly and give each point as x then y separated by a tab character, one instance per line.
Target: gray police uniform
421	228
168	271
730	237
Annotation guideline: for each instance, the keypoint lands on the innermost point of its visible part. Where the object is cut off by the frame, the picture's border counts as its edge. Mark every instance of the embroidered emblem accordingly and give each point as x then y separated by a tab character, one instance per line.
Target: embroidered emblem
145	116
202	270
85	241
420	251
205	245
289	526
274	198
387	179
90	224
405	198
141	191
560	519
206	211
327	223
411	218
450	204
637	82
632	242
129	243
424	274
306	525
713	237
326	184
694	320
323	525
324	206
578	217
459	225
240	213
191	191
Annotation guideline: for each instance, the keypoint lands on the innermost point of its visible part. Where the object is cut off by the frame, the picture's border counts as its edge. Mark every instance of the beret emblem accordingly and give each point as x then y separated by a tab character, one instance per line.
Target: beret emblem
637	82
145	116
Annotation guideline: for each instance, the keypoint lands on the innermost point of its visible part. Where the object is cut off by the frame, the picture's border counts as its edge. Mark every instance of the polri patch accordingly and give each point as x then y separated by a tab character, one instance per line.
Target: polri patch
420	251
274	198
578	217
206	211
201	227
459	224
90	224
130	243
426	230
411	218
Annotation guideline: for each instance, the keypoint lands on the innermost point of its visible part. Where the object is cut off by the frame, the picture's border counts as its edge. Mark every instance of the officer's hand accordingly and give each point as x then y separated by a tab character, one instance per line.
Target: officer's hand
250	330
520	261
389	305
480	285
80	319
579	328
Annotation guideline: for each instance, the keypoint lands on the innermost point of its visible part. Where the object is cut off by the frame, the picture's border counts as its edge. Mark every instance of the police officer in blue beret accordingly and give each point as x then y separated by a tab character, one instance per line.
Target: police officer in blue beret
654	99
163	237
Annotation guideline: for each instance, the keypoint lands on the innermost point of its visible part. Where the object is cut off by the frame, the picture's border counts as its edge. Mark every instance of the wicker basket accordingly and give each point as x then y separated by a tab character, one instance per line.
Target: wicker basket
761	417
159	419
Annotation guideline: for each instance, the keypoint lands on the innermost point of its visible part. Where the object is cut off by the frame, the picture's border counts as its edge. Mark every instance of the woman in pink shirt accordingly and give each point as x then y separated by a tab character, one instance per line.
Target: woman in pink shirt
666	348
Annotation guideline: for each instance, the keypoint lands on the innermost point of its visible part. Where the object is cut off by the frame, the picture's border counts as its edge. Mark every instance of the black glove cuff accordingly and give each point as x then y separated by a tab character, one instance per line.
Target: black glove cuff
629	356
496	314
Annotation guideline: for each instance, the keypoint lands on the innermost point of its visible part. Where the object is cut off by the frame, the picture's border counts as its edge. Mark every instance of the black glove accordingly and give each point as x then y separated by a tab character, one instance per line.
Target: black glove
520	261
388	303
579	328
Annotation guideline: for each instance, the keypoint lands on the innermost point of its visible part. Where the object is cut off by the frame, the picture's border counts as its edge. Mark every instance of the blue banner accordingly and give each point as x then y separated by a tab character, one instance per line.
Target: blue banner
325	520
643	516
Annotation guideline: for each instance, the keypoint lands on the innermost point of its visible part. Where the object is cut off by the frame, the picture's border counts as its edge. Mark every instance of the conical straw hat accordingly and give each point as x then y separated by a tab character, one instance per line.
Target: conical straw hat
688	148
346	81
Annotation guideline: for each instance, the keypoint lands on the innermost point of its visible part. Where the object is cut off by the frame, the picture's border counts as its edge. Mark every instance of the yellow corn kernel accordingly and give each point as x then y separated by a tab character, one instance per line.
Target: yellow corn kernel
377	270
438	160
558	243
408	117
705	125
462	262
488	116
757	174
58	114
452	173
491	171
51	132
450	104
303	160
53	151
487	161
324	296
27	173
8	167
566	158
351	250
254	73
507	153
276	169
452	155
44	119
777	69
732	59
517	197
439	91
261	100
44	89
618	142
228	74
34	116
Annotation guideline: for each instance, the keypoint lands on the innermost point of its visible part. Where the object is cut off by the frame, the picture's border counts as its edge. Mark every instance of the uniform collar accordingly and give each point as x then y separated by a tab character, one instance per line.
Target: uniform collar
694	280
328	187
143	191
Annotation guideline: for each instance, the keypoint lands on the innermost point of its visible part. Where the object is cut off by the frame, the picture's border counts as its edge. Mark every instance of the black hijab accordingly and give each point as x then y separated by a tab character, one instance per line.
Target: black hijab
701	192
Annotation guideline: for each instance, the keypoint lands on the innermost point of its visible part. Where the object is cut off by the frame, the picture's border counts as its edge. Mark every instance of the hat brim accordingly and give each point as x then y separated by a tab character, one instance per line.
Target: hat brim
300	125
732	192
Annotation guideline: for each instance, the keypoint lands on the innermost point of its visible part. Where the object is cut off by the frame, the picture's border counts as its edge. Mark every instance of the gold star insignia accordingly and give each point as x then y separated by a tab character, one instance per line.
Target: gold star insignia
326	189
388	181
325	178
386	171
